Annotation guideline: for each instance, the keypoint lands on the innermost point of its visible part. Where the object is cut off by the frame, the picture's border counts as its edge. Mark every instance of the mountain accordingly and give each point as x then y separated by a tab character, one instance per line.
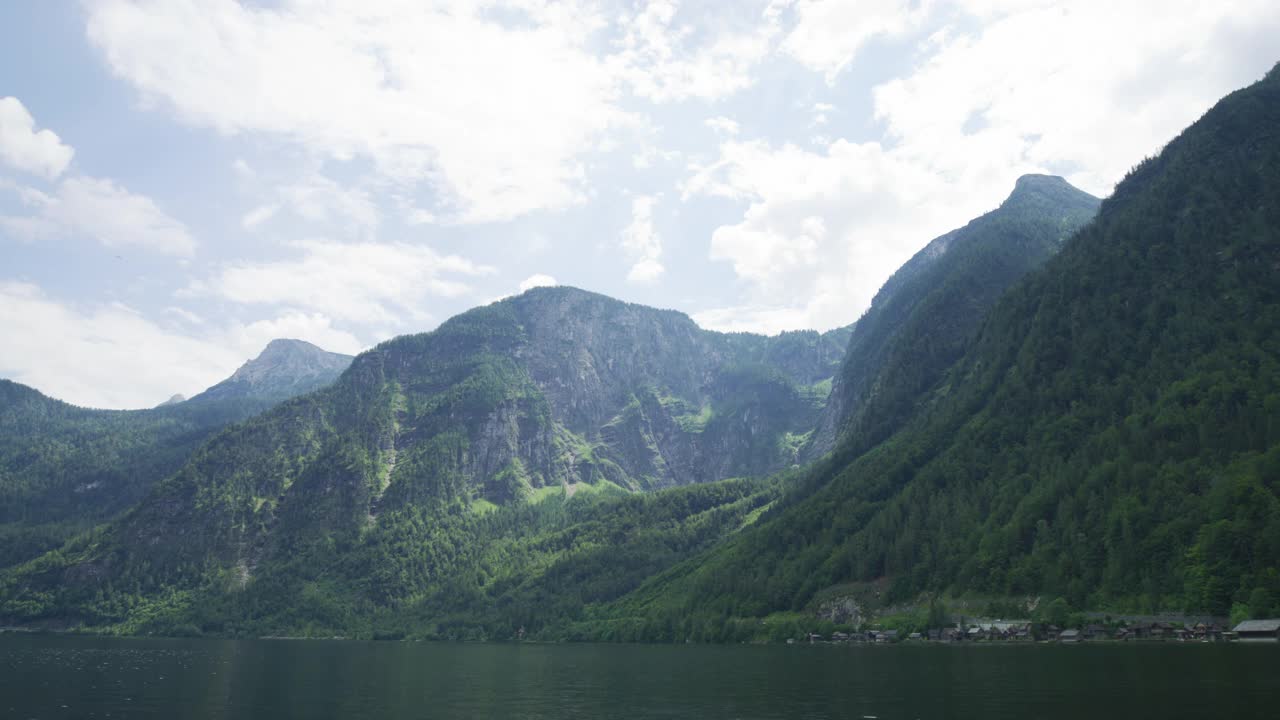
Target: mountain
1110	438
1104	438
920	322
284	369
64	468
555	391
534	400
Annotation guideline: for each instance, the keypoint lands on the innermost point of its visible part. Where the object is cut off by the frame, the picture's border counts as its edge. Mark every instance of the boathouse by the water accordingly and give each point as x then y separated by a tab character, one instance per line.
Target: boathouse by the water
1259	629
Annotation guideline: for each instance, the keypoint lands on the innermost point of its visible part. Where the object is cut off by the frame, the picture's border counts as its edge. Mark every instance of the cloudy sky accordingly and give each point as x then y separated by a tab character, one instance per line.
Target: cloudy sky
181	181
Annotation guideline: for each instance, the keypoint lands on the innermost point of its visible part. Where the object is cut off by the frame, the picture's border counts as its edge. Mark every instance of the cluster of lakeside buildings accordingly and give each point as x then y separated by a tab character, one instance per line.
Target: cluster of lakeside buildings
1015	631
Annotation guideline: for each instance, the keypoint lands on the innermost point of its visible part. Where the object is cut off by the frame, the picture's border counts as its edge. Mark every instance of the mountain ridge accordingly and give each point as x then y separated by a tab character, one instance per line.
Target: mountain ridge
932	306
538	395
64	467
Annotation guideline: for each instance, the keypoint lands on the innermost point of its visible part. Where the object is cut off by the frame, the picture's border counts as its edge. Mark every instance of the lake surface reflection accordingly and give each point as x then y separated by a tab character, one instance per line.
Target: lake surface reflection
84	677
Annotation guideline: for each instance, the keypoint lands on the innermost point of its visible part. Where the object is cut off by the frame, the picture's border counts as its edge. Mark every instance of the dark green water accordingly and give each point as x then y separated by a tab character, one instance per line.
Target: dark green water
72	677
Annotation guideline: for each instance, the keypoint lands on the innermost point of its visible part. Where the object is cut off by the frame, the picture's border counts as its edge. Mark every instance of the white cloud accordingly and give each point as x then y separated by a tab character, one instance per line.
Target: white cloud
1024	88
184	315
722	125
381	285
492	116
828	34
822	113
538	280
259	215
39	152
751	318
664	60
641	244
319	199
112	356
105	356
823	229
104	211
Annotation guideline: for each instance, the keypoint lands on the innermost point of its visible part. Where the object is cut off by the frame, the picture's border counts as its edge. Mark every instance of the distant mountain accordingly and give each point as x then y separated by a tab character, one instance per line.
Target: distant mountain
920	322
173	400
65	468
285	369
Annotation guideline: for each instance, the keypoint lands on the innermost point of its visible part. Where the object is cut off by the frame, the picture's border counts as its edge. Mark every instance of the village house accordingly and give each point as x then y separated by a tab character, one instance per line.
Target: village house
1259	630
1094	631
1206	632
1069	636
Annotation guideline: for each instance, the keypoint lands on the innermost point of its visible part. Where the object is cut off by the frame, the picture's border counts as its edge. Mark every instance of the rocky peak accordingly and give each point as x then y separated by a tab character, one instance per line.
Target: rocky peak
283	369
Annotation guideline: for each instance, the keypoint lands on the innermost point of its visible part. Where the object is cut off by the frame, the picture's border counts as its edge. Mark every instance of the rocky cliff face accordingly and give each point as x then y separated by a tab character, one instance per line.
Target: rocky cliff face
555	387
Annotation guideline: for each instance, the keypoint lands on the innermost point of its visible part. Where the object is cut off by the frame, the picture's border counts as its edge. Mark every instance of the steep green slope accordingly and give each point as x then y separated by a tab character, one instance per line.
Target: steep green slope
920	322
554	389
1111	437
65	468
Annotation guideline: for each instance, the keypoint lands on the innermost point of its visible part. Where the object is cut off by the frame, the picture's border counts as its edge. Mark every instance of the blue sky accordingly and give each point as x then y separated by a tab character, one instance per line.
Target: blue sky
182	181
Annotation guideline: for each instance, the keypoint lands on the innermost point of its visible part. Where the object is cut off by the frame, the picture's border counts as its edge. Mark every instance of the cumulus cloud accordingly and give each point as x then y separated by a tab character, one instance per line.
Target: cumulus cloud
828	34
641	244
39	152
1020	88
380	285
822	229
317	199
722	125
110	355
665	60
752	318
492	115
538	280
102	210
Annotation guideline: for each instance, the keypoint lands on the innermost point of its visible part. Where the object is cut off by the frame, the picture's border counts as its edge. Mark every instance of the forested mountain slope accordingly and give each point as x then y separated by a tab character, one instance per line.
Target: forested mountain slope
551	391
1112	436
65	468
920	322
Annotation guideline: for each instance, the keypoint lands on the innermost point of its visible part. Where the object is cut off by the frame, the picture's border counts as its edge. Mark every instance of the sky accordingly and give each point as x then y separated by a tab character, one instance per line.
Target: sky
183	180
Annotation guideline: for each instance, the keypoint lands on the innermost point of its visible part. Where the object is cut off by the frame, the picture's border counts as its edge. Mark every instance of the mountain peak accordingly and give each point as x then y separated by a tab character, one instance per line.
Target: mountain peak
280	345
1040	180
285	367
1051	189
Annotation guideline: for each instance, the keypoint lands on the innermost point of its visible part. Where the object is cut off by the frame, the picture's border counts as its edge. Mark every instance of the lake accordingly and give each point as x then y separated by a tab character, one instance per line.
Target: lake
45	676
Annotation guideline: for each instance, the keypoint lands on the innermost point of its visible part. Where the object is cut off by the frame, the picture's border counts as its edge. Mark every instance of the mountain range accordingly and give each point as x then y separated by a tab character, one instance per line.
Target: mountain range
1060	400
